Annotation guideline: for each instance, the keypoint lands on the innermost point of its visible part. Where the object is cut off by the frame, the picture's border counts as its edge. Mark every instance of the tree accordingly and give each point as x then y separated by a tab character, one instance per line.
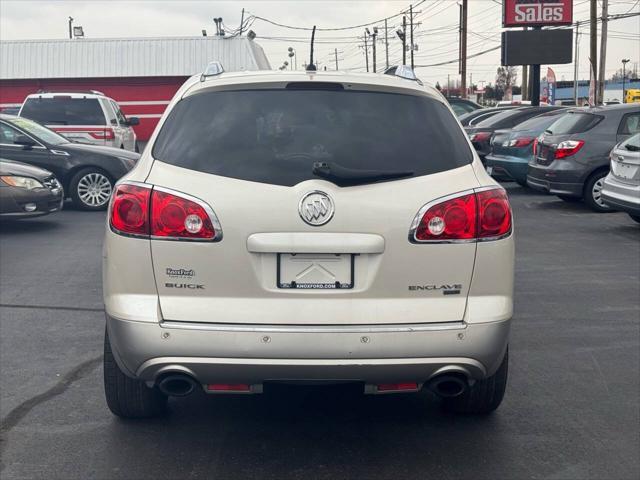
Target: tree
438	87
506	77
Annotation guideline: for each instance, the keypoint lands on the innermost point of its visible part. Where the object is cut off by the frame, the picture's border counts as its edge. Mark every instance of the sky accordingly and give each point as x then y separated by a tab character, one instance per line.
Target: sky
435	33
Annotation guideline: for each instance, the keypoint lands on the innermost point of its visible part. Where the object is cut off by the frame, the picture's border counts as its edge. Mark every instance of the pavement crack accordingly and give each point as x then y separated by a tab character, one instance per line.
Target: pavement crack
15	416
51	307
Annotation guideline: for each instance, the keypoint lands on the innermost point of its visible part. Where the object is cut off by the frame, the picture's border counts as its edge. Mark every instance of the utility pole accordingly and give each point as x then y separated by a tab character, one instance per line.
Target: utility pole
448	85
593	50
241	22
624	74
375	37
463	48
71	28
335	50
411	32
366	51
404	40
603	50
576	57
525	82
386	44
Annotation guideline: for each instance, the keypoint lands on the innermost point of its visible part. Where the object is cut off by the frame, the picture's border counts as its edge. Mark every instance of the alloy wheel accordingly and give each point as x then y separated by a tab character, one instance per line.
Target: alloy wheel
94	189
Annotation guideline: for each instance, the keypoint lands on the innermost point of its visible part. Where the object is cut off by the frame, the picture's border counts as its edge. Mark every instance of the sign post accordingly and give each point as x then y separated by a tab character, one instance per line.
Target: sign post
536	14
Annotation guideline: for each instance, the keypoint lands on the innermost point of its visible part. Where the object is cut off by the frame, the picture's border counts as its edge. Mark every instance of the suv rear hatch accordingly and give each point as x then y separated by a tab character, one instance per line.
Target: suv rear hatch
250	155
75	116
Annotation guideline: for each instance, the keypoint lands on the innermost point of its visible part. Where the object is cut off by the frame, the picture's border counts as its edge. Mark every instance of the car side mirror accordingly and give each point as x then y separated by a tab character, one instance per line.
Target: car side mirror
133	121
27	142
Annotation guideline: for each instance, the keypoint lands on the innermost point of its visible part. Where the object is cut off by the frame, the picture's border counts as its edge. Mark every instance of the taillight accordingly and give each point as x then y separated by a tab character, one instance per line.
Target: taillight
106	134
535	147
153	212
568	148
175	216
129	211
494	213
480	136
521	142
475	215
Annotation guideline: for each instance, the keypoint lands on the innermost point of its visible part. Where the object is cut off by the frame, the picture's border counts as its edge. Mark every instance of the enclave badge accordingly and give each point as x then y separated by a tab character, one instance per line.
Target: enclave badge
316	208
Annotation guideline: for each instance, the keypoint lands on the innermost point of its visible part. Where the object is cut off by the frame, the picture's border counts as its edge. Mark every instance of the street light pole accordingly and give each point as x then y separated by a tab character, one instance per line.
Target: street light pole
624	74
70	28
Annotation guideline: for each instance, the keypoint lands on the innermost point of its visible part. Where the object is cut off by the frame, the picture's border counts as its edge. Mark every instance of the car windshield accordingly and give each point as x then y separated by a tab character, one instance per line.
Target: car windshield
38	131
64	110
573	122
277	136
540	123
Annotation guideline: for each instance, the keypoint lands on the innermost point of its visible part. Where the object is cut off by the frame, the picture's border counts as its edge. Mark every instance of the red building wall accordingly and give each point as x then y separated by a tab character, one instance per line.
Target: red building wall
142	97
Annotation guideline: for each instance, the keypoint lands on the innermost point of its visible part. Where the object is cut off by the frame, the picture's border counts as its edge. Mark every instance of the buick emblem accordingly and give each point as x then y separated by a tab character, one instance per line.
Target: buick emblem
316	208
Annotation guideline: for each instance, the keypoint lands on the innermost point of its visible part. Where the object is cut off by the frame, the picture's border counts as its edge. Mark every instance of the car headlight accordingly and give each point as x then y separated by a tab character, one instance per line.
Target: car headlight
21	182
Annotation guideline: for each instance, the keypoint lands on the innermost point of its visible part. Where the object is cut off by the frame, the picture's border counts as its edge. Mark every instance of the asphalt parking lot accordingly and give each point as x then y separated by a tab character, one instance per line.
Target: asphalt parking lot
571	411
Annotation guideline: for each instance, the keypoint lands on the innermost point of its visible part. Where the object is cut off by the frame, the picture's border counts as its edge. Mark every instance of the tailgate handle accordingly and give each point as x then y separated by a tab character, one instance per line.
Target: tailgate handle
300	242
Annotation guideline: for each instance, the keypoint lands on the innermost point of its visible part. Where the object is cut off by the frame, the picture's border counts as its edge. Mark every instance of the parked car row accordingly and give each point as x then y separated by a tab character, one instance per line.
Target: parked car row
588	154
85	173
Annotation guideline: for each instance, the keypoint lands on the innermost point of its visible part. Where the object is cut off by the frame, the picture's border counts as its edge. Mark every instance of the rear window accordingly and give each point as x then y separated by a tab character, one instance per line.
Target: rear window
540	122
510	118
573	122
275	136
64	111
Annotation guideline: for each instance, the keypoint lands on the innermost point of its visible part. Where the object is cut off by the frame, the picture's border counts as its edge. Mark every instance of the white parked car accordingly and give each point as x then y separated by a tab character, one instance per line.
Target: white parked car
85	117
307	227
621	189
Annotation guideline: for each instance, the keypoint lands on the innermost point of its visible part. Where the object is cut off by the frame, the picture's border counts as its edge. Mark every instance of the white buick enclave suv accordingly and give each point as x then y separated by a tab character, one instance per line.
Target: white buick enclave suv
307	227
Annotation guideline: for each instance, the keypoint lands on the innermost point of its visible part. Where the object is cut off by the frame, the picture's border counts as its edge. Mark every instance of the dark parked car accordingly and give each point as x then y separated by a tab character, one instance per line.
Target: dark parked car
87	172
460	106
27	191
511	150
480	134
572	156
471	118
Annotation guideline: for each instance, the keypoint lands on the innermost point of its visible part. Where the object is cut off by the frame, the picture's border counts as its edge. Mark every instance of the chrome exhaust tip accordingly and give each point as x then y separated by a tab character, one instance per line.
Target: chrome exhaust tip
448	385
177	385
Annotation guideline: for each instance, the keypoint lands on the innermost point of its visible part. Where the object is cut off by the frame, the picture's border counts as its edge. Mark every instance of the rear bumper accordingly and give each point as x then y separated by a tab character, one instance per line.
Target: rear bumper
253	354
554	182
621	196
512	167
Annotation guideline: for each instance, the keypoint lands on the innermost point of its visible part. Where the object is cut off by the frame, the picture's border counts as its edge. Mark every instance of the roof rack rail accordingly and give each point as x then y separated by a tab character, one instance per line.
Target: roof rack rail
80	92
403	71
213	69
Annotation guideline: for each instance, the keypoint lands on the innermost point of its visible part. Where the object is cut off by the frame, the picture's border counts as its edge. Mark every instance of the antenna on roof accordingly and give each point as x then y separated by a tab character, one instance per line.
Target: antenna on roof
311	67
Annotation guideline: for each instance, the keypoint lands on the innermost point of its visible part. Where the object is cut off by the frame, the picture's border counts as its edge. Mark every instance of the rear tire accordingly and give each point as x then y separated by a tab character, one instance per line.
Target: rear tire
484	396
136	148
635	218
127	397
593	192
522	183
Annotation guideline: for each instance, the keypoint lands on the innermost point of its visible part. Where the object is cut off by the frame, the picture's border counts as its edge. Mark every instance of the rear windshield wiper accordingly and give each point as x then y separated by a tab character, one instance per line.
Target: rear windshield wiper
345	177
549	132
631	148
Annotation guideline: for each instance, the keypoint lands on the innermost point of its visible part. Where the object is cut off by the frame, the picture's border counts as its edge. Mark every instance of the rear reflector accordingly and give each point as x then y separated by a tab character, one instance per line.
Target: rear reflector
228	387
464	217
145	211
396	387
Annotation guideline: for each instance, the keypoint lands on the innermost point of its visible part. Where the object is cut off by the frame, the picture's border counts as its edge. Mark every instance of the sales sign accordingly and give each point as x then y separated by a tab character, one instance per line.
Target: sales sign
535	13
